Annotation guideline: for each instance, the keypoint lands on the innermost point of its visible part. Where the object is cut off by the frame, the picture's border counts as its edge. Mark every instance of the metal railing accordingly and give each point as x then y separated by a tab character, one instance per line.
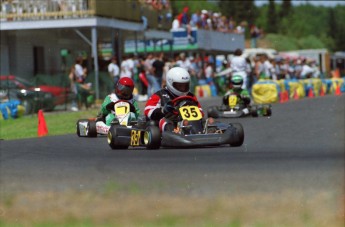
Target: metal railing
129	10
42	9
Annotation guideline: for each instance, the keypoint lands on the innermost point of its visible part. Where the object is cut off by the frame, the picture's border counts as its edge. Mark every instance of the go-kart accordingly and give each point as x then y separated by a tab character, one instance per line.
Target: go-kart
190	130
235	109
96	126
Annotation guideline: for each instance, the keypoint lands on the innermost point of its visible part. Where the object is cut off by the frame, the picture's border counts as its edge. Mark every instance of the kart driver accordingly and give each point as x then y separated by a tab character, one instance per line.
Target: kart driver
242	94
123	90
159	106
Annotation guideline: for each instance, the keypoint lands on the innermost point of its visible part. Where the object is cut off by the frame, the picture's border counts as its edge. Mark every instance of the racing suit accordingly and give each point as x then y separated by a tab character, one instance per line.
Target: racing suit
154	108
242	94
107	115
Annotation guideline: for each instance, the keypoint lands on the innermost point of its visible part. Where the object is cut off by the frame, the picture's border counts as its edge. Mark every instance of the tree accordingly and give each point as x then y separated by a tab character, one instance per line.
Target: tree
271	18
239	10
286	8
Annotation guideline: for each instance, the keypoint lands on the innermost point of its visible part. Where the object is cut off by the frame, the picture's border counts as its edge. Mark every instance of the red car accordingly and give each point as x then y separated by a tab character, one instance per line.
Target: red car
33	98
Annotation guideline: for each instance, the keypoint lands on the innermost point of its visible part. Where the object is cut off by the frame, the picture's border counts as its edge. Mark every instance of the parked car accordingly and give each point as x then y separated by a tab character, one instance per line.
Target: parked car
32	97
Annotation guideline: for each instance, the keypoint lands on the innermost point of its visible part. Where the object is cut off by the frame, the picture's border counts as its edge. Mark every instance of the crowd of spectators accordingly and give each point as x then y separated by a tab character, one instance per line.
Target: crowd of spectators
208	20
148	71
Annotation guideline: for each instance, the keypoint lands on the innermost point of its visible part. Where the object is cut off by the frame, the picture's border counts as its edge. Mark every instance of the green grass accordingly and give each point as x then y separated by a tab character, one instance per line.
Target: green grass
58	123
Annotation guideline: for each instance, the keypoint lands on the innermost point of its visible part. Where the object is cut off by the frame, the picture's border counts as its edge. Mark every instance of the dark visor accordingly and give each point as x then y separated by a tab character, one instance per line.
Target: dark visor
125	91
182	87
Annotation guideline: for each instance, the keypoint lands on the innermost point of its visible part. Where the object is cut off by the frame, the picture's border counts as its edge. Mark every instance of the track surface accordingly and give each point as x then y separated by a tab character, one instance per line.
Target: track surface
299	148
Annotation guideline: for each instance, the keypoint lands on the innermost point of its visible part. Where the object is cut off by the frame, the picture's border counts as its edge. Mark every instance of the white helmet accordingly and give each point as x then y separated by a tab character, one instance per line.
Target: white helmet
177	80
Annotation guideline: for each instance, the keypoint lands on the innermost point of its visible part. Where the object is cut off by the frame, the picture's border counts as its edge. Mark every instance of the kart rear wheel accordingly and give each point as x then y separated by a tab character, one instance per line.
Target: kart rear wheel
268	112
239	135
91	130
152	137
112	139
254	112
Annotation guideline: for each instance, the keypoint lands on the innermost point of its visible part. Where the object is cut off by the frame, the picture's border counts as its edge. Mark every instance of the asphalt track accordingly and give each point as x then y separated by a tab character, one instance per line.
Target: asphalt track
299	148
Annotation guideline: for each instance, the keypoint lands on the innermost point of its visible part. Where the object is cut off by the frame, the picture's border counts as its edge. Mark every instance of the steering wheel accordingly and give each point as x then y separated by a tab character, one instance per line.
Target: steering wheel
182	100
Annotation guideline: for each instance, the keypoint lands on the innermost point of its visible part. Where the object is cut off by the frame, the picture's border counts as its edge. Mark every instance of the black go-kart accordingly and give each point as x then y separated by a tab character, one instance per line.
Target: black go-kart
235	109
191	130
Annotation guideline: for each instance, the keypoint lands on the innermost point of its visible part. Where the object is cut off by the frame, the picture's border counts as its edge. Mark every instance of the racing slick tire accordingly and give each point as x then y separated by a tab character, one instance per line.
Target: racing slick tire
254	111
239	136
213	112
91	130
152	137
112	138
268	111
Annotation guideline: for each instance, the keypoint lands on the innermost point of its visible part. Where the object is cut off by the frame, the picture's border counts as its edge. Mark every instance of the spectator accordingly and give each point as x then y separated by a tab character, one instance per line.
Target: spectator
158	68
185	23
307	71
239	66
127	67
254	35
114	70
153	85
196	19
79	71
175	23
74	89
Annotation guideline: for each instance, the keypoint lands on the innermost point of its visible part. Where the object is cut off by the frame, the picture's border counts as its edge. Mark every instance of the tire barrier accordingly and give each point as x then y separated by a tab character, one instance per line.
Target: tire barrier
269	91
11	109
203	91
265	92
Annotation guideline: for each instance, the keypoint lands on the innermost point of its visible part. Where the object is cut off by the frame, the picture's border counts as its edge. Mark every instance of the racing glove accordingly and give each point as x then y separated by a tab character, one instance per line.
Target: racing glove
168	108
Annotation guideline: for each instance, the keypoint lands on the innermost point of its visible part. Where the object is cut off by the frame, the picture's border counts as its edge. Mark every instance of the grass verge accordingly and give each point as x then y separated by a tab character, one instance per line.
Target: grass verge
118	209
58	123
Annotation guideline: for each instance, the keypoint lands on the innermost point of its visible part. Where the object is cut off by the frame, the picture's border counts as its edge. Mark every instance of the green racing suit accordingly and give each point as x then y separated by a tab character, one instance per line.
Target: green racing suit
109	115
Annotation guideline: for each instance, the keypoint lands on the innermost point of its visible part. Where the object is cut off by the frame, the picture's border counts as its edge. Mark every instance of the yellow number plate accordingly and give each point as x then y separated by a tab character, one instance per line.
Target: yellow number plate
121	108
135	138
232	101
190	113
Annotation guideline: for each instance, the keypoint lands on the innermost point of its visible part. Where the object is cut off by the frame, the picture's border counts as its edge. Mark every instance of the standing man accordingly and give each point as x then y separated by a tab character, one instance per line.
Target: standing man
240	67
158	68
114	70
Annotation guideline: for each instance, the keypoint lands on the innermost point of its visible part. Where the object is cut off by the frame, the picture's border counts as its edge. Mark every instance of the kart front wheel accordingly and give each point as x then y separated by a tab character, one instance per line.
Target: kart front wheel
152	137
112	139
238	136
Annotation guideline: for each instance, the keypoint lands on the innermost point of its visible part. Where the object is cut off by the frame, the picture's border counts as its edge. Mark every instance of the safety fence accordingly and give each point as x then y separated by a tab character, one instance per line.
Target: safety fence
269	91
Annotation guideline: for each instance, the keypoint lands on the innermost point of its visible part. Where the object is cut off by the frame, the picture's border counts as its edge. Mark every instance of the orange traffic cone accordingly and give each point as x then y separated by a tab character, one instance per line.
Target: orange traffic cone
337	90
295	95
310	93
284	96
201	92
42	126
322	92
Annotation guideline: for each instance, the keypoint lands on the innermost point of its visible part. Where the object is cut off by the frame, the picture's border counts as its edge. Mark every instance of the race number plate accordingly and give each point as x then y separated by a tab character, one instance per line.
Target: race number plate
135	138
121	110
190	113
232	101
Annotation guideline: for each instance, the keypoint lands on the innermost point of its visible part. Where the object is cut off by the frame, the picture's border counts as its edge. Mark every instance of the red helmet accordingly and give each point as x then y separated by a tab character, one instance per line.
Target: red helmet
124	88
